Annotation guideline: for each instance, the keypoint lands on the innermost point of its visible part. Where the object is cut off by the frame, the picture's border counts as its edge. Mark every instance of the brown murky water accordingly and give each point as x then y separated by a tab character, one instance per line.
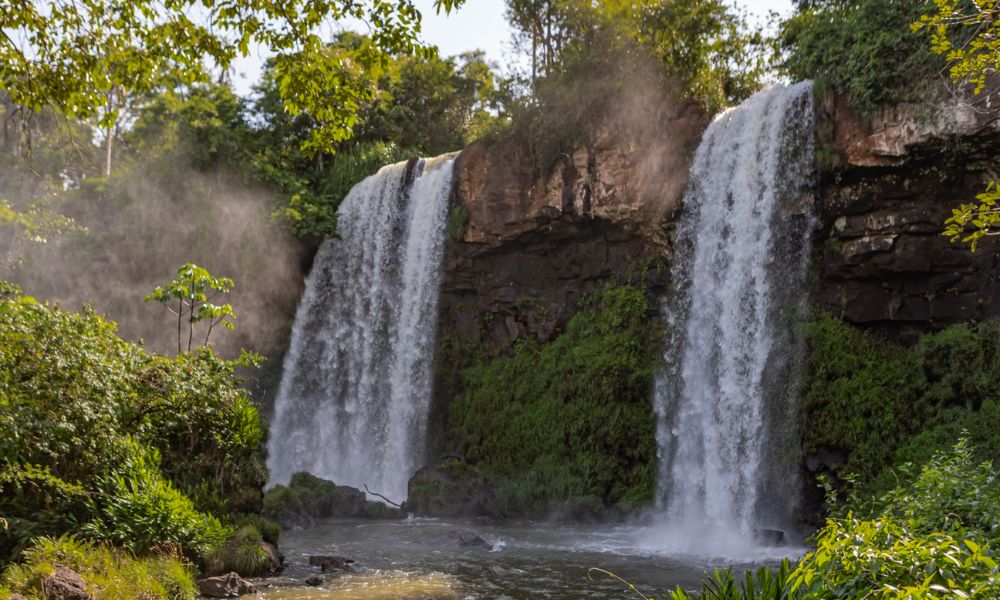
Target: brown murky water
422	559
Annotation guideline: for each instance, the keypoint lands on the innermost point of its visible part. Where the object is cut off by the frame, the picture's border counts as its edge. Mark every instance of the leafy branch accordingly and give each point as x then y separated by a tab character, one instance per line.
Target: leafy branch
192	294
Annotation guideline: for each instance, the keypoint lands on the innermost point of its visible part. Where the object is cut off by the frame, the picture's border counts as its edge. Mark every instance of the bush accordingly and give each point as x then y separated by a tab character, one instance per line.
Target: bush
136	508
242	553
929	538
568	418
311	209
883	404
865	49
953	493
109	573
138	431
880	557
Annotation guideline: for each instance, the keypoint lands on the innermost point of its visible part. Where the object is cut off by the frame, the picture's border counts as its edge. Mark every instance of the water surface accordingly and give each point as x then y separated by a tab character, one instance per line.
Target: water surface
422	559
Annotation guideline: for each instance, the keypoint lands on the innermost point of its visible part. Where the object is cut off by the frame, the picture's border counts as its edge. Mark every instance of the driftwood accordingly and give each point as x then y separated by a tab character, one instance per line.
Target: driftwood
382	497
472	541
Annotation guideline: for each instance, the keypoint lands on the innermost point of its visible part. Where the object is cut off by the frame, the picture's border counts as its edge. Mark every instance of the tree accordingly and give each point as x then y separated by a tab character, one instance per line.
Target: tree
83	59
967	34
193	292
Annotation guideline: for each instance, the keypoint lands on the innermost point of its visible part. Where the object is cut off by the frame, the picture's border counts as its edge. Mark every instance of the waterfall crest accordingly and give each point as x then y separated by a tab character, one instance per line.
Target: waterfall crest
356	382
725	404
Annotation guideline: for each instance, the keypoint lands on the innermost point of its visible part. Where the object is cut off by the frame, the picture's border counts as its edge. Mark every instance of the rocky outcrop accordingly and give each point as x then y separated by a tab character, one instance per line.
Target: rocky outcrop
890	181
449	488
527	243
225	586
307	498
65	584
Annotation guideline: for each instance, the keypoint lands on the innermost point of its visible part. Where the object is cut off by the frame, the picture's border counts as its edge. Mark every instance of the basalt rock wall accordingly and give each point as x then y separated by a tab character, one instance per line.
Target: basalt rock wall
889	180
525	246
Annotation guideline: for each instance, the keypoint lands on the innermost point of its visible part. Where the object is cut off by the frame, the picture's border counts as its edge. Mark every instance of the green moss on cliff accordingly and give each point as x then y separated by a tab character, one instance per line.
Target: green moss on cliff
883	404
566	426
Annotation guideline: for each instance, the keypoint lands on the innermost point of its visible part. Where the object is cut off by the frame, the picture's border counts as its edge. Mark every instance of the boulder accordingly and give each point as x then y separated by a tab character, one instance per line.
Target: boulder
276	560
332	563
450	488
65	584
769	537
314	580
307	498
225	586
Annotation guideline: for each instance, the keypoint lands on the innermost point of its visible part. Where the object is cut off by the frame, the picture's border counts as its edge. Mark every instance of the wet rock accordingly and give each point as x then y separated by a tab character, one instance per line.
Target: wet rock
332	563
275	559
65	584
769	537
471	540
225	586
881	259
308	497
314	580
448	489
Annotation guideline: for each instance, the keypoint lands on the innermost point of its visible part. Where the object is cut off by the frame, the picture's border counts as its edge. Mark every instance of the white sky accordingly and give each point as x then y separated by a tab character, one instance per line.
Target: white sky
479	24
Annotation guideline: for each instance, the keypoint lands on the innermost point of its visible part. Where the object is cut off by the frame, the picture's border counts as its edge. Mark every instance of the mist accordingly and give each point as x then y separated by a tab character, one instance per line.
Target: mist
142	226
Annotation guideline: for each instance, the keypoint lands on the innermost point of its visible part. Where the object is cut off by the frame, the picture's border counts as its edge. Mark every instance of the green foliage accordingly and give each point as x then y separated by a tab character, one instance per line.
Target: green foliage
242	553
458	222
953	493
268	530
109	573
312	209
85	415
714	53
860	558
863	48
932	537
593	58
569	418
48	57
135	508
884	404
969	223
193	292
965	32
764	584
307	497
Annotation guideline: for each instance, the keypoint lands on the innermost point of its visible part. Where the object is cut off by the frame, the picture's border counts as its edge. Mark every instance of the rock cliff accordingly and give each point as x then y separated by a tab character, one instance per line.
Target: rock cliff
526	246
889	180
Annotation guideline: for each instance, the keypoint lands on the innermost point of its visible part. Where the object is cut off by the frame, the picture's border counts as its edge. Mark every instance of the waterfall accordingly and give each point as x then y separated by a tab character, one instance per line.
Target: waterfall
355	390
726	402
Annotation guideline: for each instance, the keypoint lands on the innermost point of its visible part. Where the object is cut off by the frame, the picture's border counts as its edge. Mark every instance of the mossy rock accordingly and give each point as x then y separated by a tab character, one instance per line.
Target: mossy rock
450	488
307	498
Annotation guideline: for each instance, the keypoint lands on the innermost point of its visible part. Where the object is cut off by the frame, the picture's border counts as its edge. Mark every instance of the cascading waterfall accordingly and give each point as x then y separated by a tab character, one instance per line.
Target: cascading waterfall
726	401
355	391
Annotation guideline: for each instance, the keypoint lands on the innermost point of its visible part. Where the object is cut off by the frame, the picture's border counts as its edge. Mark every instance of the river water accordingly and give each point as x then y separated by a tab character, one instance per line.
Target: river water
422	559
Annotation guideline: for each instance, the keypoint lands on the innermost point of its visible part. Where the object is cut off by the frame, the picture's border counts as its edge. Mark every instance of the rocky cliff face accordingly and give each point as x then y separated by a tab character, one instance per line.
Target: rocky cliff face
889	181
527	246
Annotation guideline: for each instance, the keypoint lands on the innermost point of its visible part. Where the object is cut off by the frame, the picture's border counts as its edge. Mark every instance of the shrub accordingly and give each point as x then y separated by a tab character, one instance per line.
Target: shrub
242	553
880	557
764	584
109	573
136	508
864	48
137	431
883	404
929	538
311	209
568	418
952	493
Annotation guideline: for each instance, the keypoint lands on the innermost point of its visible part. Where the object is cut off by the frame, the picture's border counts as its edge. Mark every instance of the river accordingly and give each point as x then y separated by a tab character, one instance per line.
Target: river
423	559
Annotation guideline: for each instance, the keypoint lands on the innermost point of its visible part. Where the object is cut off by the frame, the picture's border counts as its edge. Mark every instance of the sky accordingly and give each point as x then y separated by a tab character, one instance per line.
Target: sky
478	25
